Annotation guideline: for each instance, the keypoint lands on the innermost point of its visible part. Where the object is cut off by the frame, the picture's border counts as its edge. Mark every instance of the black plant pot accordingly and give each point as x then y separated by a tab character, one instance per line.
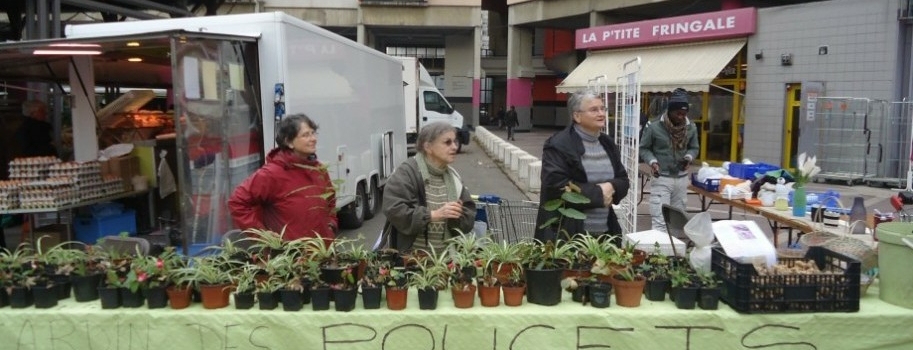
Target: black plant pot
320	298
45	296
62	286
156	297
345	299
292	300
581	294
543	287
85	288
427	298
305	291
685	297
655	290
130	298
244	301
709	298
4	298
370	297
268	300
600	295
110	297
333	275
21	297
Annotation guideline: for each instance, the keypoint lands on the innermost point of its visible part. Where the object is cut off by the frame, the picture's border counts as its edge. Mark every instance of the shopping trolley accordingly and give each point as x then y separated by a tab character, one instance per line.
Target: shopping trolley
510	220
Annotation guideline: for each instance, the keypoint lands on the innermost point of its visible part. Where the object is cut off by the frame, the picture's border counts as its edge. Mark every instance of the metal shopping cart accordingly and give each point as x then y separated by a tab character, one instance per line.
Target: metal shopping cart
510	220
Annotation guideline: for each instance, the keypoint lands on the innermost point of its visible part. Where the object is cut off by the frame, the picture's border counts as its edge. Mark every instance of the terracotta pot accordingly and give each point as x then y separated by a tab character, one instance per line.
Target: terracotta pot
397	298
513	296
490	296
503	272
629	293
214	296
179	296
639	257
463	298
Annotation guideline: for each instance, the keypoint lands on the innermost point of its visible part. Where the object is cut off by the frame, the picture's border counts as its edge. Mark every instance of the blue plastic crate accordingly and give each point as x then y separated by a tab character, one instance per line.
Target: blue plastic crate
89	229
748	171
711	185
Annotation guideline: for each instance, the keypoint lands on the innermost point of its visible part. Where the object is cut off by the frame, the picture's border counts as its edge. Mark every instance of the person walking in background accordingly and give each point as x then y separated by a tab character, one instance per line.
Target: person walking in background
511	121
584	156
499	118
34	133
292	191
669	145
424	200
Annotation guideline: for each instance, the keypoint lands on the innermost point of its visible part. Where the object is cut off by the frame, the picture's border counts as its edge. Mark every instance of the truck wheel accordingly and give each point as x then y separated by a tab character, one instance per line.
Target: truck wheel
372	200
353	215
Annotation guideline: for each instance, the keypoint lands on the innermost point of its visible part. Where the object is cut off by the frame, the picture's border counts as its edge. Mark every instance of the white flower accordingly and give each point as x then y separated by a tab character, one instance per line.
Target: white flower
806	168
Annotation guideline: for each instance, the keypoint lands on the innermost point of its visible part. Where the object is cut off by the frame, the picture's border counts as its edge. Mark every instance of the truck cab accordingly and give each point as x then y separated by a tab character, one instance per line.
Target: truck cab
425	104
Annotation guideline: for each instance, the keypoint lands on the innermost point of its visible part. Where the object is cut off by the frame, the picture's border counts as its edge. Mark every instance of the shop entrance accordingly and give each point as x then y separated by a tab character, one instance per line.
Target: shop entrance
791	130
721	124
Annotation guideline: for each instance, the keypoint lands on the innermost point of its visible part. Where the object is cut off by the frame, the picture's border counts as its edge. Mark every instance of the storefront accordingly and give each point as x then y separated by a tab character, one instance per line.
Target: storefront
704	54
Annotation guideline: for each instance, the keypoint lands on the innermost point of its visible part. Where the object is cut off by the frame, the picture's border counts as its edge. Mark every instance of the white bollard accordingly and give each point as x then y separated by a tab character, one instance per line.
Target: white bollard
505	154
496	148
523	169
534	182
515	159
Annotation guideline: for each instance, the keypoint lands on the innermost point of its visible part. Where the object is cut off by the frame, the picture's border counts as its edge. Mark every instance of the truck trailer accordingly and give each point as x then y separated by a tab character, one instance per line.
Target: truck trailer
425	104
230	80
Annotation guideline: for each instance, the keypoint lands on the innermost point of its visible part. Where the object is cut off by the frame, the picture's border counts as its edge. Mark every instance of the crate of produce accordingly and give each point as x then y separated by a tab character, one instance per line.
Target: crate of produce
834	287
712	185
748	171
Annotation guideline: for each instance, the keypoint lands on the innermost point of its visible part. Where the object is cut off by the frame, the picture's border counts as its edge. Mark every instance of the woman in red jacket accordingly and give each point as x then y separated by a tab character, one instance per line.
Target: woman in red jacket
292	191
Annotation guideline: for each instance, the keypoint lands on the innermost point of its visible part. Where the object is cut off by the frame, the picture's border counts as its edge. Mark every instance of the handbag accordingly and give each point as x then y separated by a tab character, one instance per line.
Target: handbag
387	238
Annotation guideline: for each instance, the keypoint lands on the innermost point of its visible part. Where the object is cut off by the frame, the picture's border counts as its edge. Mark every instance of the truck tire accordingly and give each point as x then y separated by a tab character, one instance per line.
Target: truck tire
353	215
372	199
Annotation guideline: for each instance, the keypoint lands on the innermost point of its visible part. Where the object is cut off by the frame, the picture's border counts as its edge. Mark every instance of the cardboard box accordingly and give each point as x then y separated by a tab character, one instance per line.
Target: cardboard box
125	168
55	233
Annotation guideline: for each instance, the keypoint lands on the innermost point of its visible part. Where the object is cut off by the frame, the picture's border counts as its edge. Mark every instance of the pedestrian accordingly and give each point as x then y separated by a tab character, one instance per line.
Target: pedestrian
35	132
499	119
511	121
583	157
425	201
292	192
669	145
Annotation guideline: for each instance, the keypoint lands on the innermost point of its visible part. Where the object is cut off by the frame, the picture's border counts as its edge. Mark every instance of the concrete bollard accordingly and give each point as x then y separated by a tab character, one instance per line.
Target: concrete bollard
523	168
515	159
505	154
533	181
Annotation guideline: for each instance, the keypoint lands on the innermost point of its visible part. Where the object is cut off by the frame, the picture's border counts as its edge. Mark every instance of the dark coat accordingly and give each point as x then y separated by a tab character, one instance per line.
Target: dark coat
406	208
287	190
511	119
35	138
560	164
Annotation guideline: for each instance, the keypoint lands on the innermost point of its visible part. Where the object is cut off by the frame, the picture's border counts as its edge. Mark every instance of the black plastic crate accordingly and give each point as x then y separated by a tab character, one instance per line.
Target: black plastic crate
836	289
712	185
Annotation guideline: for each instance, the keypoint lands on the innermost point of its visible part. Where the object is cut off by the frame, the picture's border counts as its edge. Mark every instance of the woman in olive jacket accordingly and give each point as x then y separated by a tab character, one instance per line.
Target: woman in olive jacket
585	156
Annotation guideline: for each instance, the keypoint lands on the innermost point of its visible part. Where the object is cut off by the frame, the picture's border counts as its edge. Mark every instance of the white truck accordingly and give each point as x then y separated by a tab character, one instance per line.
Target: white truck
425	104
232	78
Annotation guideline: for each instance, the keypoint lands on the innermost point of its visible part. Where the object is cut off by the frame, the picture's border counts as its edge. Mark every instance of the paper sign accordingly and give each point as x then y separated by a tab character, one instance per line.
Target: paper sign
744	241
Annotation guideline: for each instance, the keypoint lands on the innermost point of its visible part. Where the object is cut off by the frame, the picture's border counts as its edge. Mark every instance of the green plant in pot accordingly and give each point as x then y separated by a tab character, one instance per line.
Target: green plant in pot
709	293
564	206
211	274
684	286
628	284
245	282
544	262
504	258
656	270
430	277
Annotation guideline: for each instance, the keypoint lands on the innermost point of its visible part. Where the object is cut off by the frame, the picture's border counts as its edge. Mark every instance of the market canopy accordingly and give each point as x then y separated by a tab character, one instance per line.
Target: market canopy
691	66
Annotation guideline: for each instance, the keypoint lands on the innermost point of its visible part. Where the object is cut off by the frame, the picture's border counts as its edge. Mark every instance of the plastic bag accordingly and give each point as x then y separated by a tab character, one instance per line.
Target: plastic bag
700	230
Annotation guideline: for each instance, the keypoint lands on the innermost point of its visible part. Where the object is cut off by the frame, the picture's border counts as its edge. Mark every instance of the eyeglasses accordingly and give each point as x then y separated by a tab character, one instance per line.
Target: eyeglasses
448	142
308	134
594	110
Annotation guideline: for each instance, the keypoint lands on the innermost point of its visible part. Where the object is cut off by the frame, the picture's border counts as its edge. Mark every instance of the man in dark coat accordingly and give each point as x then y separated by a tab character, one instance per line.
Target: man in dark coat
511	121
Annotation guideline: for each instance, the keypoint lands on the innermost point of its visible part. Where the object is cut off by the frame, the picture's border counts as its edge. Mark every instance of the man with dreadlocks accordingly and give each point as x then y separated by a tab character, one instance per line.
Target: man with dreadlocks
669	145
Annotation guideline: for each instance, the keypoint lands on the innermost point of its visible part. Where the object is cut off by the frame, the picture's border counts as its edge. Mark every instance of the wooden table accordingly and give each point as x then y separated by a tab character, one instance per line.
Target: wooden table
777	219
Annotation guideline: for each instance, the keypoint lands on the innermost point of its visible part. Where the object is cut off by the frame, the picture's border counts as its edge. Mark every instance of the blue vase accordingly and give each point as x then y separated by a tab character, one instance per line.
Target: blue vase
799	201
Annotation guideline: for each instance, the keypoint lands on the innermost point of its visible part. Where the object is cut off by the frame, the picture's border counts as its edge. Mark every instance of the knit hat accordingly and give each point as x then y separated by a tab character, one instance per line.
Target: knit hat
679	100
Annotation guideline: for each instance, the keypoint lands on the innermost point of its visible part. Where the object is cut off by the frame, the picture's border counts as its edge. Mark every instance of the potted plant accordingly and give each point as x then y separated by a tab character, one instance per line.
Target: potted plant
585	250
504	257
245	283
210	275
320	290
486	280
86	270
345	292
57	268
372	280
544	262
327	254
514	287
709	292
180	291
629	287
396	285
656	270
684	288
266	243
268	292
579	287
21	275
430	277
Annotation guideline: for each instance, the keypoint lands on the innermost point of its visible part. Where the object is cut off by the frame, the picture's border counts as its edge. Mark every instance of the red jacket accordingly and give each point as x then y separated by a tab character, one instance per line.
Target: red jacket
288	190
